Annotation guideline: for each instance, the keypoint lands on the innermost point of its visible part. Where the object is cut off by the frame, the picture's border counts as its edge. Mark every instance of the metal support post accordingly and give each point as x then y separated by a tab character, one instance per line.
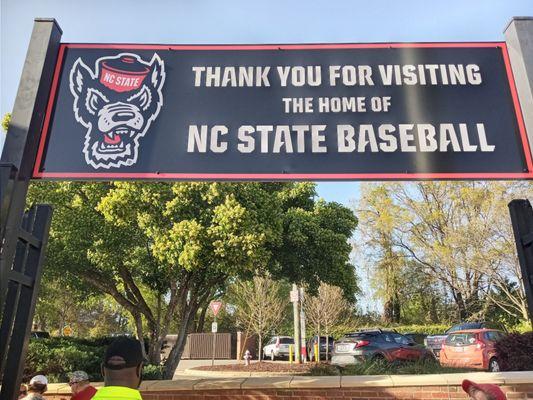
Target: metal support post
22	140
519	39
522	219
23	236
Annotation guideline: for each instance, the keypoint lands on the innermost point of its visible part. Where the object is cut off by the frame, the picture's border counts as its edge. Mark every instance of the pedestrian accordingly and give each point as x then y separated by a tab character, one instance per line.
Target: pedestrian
23	391
485	391
37	386
81	386
122	371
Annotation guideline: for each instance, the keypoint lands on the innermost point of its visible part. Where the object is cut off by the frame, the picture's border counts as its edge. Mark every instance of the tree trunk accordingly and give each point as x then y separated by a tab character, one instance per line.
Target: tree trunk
175	355
396	309
260	348
139	332
461	307
388	312
154	350
201	320
327	345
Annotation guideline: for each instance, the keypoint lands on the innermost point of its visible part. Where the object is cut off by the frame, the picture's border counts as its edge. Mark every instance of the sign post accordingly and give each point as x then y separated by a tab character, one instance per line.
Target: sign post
215	308
295	299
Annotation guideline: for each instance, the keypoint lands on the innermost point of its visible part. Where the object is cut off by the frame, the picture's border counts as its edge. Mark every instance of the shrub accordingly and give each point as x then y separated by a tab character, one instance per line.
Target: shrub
153	372
514	352
383	367
56	357
323	370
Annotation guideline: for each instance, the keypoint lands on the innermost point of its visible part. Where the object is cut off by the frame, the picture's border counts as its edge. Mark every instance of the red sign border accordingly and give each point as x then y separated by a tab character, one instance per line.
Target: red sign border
37	174
215	310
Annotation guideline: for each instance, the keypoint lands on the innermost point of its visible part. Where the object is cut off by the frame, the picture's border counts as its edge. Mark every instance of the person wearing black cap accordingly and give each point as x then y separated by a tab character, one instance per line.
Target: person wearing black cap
122	370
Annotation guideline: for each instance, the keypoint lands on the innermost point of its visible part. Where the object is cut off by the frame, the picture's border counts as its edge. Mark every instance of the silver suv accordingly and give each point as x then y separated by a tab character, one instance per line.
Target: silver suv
278	347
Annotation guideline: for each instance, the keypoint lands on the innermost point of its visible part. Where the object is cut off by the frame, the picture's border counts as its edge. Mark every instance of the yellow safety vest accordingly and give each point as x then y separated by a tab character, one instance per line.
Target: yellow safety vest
117	393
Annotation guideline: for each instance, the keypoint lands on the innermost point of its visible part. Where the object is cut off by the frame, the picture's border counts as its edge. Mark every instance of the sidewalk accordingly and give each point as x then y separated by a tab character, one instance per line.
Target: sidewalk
188	364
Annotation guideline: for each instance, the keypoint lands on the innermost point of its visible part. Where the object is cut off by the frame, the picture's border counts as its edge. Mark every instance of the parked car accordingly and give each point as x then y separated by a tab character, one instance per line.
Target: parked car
434	342
324	343
361	346
473	348
277	347
39	335
416	337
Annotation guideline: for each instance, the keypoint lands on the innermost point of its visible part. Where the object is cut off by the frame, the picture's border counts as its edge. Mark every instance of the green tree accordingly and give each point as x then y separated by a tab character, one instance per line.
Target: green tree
5	121
379	219
259	306
163	251
325	311
455	239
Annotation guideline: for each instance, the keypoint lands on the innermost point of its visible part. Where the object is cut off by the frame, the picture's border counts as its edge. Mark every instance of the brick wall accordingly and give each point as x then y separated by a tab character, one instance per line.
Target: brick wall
517	385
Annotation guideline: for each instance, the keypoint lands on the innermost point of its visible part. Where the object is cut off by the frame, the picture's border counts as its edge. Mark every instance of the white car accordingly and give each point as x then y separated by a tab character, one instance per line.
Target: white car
278	347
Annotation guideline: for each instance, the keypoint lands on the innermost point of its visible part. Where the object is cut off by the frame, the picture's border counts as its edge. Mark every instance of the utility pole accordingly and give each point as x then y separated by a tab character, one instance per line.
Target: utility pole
303	347
295	298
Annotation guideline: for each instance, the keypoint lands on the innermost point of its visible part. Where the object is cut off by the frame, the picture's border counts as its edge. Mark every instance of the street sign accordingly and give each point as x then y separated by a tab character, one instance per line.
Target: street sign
215	307
214	327
284	112
294	296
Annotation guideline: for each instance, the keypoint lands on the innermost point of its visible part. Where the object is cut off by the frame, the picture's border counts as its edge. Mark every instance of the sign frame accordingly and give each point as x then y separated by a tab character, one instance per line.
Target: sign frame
527	147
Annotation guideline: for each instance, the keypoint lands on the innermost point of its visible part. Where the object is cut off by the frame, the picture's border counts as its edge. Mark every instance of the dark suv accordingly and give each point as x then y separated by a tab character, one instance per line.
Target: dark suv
357	347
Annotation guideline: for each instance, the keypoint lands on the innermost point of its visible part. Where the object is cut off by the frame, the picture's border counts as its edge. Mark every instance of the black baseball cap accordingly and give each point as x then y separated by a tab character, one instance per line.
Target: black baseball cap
123	353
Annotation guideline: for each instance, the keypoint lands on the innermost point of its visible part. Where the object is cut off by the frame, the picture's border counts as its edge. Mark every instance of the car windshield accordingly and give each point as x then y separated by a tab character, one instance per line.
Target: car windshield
286	340
461	339
359	336
272	341
464	327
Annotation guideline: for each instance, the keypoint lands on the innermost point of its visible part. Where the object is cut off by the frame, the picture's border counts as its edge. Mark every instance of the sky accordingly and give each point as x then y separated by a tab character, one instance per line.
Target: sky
251	22
255	22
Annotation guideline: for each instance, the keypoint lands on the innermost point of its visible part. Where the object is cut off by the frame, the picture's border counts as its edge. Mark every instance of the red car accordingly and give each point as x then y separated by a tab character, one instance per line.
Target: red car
473	348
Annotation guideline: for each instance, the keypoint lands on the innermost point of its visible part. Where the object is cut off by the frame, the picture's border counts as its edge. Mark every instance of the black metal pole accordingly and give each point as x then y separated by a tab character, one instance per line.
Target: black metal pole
22	140
23	238
522	220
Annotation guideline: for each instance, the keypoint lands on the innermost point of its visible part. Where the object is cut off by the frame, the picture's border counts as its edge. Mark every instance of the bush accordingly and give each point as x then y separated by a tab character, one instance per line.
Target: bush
515	352
56	357
323	370
153	372
383	367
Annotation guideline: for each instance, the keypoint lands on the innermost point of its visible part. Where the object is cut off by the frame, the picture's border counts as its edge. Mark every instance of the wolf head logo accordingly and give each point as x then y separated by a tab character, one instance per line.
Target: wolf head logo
116	102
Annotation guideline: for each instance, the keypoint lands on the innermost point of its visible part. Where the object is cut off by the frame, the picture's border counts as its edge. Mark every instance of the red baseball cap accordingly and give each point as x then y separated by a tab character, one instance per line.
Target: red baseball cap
492	390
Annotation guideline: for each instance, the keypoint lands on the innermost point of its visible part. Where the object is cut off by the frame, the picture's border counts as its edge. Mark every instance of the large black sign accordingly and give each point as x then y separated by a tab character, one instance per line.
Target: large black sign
349	111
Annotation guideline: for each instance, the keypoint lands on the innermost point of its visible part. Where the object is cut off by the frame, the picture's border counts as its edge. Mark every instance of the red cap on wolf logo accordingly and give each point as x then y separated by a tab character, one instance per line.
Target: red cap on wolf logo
123	74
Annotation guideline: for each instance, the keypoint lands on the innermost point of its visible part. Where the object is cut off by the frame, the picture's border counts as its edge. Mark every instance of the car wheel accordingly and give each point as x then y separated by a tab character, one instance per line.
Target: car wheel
378	359
429	358
494	365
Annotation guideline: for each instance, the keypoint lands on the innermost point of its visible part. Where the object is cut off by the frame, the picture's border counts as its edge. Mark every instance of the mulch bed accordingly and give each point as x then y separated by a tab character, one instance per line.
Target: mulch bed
264	366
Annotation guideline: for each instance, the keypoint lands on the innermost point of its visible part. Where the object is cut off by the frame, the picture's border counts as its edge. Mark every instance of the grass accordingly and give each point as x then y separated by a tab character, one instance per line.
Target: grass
380	367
